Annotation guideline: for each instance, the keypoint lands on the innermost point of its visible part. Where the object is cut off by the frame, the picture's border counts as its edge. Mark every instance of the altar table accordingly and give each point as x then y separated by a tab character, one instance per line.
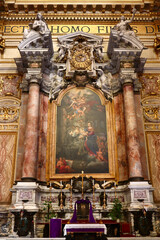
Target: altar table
85	228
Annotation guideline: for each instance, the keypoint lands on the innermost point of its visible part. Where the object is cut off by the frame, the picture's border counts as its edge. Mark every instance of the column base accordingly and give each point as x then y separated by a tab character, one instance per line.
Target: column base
141	196
136	179
24	196
28	179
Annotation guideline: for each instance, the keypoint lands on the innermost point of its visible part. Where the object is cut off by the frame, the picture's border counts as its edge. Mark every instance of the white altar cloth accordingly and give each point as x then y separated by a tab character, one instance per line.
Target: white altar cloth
86	226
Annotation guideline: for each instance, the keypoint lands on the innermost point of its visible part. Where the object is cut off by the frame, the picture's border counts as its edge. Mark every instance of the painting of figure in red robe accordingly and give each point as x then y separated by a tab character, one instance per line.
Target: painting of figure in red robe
81	138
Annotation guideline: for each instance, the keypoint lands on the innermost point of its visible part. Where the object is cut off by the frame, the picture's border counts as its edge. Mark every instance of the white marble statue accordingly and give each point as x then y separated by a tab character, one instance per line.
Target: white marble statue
98	50
39	25
104	82
62	51
57	84
123	26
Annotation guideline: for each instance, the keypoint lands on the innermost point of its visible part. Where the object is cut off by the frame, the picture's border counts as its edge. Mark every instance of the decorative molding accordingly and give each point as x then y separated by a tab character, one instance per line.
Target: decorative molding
151	127
84	7
8	127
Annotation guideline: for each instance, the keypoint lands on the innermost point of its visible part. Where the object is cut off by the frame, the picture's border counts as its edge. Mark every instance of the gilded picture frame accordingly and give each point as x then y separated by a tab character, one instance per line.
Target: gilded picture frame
75	141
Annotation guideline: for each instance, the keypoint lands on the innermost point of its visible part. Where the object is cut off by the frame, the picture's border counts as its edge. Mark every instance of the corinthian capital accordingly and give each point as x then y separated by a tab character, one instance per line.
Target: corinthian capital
127	75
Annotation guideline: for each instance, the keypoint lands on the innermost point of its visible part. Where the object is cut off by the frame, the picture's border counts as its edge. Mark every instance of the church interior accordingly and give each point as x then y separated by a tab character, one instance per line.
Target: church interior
80	119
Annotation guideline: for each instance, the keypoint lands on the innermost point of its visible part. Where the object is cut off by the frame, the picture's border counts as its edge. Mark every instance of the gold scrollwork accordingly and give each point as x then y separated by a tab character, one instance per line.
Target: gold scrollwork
1	84
8	114
152	113
150	85
151	109
2	44
9	109
157	44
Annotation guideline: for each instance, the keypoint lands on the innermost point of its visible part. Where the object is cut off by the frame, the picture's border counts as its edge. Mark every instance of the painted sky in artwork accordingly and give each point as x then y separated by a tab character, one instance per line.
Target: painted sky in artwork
81	142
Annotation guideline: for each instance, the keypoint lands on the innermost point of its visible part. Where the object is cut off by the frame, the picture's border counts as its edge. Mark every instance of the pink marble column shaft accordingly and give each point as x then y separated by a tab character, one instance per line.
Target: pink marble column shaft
133	150
41	166
121	138
31	136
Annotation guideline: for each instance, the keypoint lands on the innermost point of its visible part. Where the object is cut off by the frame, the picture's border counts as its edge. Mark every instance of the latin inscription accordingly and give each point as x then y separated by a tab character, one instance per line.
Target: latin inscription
95	29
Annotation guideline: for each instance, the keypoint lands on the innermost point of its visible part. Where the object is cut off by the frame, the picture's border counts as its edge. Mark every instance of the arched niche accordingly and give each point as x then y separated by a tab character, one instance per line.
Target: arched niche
81	135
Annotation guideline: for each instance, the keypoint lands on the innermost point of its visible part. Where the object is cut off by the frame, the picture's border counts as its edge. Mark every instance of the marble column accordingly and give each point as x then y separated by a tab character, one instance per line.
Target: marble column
133	148
31	136
42	149
121	138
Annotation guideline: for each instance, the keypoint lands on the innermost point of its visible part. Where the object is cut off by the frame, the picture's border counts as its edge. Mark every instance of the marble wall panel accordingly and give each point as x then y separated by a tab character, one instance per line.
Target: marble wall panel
140	132
7	163
121	137
153	142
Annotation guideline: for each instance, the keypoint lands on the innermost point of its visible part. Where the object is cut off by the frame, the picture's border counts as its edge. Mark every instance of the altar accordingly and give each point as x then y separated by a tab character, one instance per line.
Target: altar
85	228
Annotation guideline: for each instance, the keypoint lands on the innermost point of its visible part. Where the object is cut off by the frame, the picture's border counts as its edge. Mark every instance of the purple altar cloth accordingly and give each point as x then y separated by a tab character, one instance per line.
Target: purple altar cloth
55	228
74	218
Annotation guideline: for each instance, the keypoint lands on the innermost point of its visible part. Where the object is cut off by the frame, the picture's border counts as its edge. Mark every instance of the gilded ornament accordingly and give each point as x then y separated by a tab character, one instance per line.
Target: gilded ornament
1	84
2	44
9	109
150	85
152	113
157	44
81	58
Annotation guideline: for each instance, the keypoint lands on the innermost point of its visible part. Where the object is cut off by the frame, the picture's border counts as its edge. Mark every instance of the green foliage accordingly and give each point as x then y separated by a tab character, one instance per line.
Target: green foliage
116	212
48	210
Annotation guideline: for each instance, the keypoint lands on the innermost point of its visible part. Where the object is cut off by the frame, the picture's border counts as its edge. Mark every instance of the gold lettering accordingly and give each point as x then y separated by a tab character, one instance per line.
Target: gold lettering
14	29
7	29
149	29
54	29
75	29
85	29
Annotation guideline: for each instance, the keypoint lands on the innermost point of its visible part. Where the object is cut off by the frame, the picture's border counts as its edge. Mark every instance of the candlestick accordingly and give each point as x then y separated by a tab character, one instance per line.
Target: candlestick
71	198
93	205
61	201
82	183
104	199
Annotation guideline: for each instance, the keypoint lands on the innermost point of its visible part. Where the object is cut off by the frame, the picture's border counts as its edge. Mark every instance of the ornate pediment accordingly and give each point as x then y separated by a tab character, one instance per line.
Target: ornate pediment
80	51
69	38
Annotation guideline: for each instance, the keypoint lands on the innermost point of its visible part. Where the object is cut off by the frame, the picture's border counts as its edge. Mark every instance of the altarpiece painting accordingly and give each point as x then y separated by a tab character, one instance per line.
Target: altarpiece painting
84	136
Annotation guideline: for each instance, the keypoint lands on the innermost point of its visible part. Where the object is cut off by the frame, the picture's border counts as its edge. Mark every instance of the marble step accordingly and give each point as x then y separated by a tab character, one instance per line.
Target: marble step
109	238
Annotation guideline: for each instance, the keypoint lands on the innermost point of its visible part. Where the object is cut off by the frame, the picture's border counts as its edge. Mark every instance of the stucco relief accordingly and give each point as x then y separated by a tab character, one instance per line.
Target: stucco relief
153	141
150	85
7	156
9	85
